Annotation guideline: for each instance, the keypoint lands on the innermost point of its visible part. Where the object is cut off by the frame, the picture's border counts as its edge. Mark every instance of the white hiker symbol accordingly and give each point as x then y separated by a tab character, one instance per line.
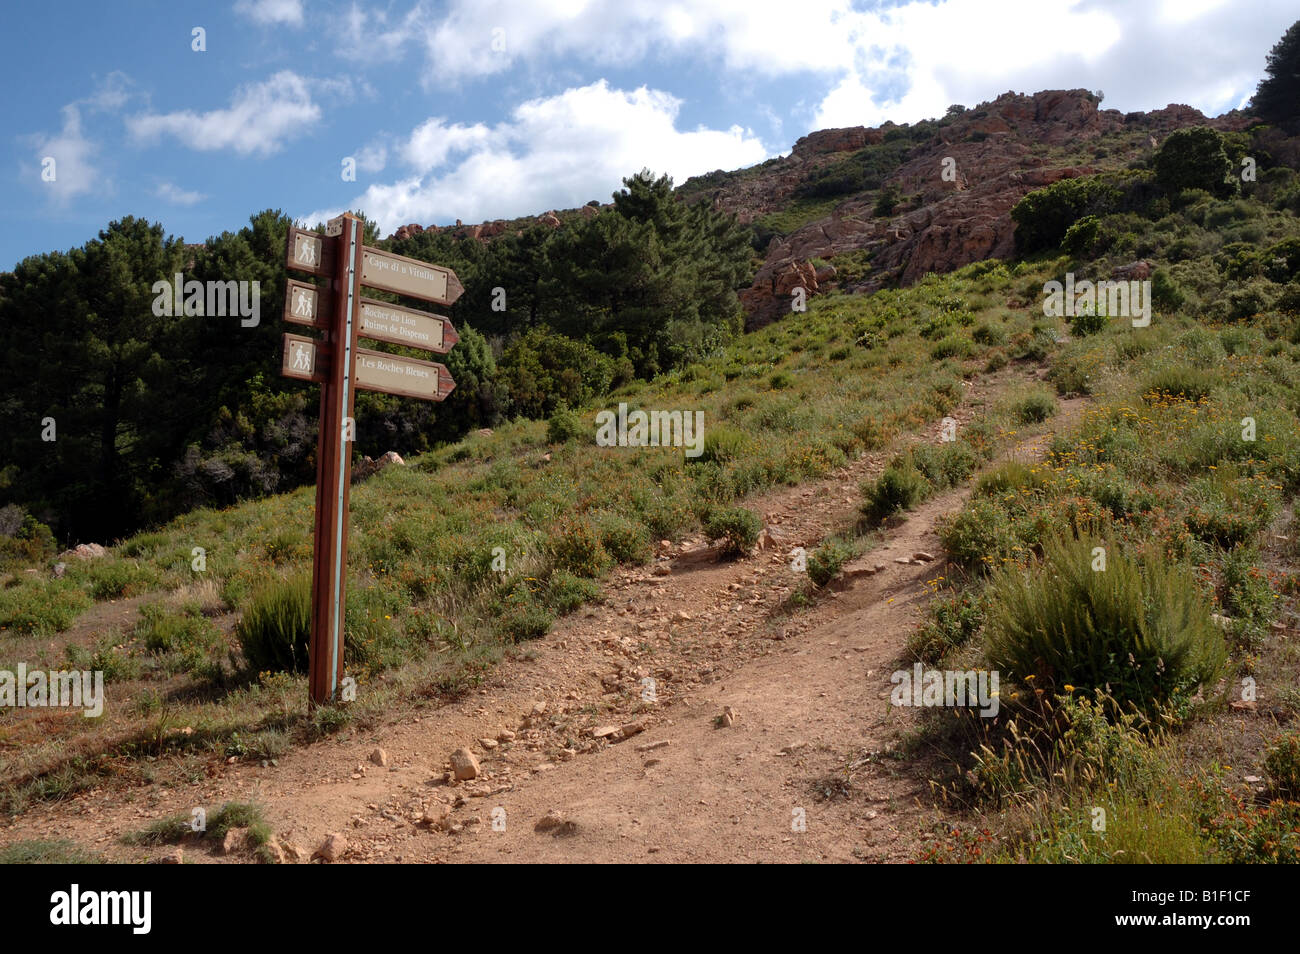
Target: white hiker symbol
301	303
301	358
306	251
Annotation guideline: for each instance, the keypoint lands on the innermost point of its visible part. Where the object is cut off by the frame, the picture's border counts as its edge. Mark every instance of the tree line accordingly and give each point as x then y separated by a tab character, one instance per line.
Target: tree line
114	417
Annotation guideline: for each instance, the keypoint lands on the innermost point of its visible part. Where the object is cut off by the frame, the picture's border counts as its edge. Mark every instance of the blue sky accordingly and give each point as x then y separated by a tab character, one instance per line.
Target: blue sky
481	109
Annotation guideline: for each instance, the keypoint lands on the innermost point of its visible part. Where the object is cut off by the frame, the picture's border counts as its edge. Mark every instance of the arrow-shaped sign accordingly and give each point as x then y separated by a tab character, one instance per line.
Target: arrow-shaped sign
406	326
409	276
395	374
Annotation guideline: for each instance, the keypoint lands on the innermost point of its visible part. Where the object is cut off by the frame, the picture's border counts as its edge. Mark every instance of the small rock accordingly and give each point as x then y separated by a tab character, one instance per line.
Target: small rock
464	765
662	570
651	746
488	744
437	816
632	728
1223	622
294	853
173	856
236	840
604	731
923	556
380	758
1251	779
505	735
554	823
728	717
332	848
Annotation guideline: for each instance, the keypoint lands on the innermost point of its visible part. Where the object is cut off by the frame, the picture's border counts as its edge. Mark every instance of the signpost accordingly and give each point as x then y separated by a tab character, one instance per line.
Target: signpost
341	367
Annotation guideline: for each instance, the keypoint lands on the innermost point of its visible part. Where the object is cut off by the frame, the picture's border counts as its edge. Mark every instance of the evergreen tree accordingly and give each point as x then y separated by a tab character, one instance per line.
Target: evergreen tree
1277	98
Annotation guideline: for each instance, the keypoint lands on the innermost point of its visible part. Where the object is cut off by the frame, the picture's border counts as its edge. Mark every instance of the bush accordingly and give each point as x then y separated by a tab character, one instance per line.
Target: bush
579	550
566	592
1081	237
563	426
1178	383
954	620
1193	158
1013	477
900	487
41	610
825	564
1033	408
1165	292
943	465
722	444
979	536
625	540
275	629
736	527
1140	631
1282	763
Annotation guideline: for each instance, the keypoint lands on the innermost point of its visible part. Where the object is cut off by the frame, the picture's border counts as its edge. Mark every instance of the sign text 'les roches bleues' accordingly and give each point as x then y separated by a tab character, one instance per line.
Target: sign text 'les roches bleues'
341	367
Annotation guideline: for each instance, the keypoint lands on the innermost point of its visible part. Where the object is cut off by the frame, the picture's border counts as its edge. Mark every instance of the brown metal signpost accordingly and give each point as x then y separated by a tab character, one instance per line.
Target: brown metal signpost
340	367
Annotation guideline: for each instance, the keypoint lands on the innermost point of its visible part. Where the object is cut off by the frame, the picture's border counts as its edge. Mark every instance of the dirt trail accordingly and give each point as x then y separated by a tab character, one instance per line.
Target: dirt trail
808	689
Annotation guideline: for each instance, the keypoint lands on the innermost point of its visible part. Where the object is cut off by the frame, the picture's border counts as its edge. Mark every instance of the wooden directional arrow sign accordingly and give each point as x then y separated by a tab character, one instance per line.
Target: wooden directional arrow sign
406	326
409	276
409	377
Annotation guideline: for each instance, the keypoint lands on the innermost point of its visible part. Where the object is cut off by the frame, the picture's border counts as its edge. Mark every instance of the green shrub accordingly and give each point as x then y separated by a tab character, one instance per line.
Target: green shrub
952	346
1140	631
1178	383
1014	477
1282	763
722	444
943	465
579	550
1193	158
955	618
979	536
625	540
825	563
565	592
275	629
1081	238
899	487
563	426
1165	292
41	609
736	527
1033	408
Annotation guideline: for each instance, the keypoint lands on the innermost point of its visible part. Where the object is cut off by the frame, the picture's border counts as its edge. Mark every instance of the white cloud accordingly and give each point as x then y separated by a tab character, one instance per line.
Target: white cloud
174	194
260	119
73	169
555	152
269	12
372	158
902	62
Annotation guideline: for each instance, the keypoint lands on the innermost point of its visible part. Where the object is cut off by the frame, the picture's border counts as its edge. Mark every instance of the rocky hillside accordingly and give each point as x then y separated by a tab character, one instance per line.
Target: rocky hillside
863	208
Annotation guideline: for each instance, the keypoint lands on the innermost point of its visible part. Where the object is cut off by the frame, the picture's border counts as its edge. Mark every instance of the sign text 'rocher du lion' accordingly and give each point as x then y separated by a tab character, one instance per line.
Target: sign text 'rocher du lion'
397	325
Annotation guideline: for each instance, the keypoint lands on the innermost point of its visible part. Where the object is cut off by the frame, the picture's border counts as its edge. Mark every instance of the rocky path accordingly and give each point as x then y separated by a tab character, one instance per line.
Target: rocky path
694	716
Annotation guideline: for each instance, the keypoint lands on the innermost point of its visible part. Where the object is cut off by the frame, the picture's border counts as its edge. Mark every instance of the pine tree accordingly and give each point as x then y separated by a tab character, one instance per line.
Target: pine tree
1277	98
